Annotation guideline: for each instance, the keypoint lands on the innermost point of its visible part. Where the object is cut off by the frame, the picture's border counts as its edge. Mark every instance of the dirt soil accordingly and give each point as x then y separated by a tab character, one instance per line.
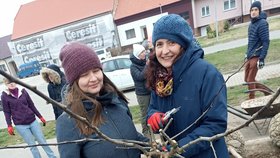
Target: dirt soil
261	148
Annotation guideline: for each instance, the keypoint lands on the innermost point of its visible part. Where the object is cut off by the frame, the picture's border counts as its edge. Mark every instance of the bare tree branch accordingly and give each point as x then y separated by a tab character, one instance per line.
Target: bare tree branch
152	148
127	143
210	139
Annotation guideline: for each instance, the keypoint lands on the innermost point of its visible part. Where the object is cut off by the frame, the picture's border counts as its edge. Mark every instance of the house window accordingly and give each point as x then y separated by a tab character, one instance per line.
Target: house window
3	68
229	4
205	11
130	34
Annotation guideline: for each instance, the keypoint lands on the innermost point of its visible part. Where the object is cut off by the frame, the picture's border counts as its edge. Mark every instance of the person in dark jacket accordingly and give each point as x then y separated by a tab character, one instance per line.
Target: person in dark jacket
93	96
137	70
56	79
18	106
180	78
258	44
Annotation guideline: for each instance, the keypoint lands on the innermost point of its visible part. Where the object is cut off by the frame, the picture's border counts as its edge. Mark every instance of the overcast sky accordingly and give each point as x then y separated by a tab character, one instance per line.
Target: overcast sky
8	11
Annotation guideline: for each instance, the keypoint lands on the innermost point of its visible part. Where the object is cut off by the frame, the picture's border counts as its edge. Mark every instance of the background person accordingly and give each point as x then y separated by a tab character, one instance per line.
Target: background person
258	43
137	70
19	107
93	96
56	80
179	77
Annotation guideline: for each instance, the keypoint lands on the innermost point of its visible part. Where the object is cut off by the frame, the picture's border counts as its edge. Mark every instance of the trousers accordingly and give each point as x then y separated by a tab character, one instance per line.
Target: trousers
251	70
28	132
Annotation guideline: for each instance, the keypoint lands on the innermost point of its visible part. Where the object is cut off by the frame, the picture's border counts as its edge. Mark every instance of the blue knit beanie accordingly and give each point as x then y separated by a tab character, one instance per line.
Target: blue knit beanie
257	4
174	28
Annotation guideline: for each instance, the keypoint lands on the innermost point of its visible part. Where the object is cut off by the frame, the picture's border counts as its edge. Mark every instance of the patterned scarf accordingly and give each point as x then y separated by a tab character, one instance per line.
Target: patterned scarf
164	83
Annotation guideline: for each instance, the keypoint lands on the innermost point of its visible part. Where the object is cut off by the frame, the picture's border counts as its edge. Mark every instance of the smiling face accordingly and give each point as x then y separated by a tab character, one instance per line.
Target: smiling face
91	81
167	52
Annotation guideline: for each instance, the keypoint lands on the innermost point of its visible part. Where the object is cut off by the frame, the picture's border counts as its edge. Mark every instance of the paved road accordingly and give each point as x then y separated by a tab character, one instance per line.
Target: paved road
236	43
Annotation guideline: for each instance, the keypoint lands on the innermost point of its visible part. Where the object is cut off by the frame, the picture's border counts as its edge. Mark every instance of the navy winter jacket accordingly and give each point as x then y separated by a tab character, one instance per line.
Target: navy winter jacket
258	36
137	70
117	124
196	83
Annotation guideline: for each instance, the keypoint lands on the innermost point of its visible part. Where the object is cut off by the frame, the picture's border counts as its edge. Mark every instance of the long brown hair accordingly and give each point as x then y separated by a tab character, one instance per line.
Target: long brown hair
76	95
150	72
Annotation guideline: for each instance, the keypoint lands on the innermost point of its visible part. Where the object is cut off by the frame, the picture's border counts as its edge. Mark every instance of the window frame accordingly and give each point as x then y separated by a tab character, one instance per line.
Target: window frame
205	11
130	33
229	5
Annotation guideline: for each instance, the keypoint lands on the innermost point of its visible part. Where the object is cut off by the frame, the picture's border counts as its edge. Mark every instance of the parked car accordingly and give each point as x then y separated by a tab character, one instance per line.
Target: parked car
117	69
29	69
103	54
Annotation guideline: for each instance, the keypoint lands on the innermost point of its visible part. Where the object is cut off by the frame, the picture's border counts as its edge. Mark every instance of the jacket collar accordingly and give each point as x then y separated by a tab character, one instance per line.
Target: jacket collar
107	99
193	52
19	92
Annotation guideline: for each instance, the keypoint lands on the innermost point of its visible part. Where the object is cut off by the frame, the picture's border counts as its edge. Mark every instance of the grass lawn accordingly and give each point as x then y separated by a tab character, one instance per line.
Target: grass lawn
49	130
236	94
6	139
229	60
235	33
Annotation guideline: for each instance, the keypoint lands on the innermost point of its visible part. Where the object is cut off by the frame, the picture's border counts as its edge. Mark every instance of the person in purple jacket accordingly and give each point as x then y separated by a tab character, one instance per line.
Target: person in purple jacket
19	108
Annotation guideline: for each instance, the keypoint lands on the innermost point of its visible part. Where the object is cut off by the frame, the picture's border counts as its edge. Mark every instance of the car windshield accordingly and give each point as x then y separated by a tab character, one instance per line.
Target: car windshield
123	63
100	52
109	66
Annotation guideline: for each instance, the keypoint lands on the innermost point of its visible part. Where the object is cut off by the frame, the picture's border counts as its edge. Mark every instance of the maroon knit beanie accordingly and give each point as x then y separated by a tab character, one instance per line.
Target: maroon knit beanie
76	59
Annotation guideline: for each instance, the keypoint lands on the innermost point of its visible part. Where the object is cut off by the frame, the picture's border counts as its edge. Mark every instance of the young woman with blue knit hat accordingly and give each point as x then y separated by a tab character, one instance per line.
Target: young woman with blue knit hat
93	96
180	78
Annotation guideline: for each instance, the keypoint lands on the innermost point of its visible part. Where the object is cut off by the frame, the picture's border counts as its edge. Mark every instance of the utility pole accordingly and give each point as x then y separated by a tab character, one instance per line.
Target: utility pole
216	22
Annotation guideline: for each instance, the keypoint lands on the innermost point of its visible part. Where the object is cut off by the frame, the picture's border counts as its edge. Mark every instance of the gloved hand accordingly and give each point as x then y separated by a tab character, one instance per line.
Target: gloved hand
156	121
11	130
260	63
43	121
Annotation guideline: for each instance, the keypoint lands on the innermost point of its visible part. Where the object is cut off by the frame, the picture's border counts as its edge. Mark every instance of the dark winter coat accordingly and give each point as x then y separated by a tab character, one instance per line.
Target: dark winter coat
21	110
258	35
117	124
196	83
54	88
137	70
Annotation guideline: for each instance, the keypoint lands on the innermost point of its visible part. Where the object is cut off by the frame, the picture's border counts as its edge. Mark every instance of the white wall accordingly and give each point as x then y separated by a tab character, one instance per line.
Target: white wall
136	25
